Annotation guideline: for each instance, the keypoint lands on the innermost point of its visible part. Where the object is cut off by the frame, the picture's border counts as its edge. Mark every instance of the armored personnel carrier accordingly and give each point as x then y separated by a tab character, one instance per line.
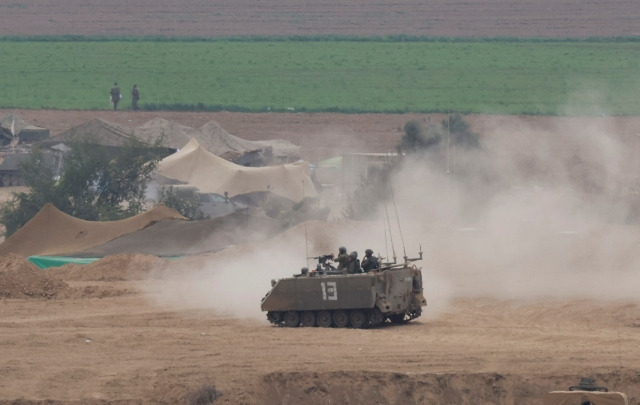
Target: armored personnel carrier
585	393
327	297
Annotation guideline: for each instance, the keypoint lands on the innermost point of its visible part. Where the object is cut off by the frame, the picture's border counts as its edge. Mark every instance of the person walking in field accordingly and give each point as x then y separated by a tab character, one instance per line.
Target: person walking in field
135	96
115	95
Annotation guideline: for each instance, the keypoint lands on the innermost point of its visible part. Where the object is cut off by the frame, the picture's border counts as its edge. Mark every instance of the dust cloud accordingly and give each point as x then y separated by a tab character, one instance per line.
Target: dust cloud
535	213
232	282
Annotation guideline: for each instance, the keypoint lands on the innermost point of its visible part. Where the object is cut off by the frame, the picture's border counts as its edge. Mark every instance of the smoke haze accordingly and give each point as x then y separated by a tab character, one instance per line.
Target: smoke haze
533	214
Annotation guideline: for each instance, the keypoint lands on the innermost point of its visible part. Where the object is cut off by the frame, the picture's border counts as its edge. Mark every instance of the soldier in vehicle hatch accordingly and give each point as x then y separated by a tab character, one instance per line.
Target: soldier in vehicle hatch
369	262
342	258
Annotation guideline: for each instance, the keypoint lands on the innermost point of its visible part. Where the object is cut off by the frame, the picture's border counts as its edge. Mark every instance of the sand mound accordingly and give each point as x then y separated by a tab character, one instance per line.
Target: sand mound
19	278
111	268
356	387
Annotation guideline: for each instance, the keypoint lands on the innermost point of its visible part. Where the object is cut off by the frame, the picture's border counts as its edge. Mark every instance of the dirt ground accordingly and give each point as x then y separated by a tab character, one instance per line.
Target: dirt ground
123	331
542	293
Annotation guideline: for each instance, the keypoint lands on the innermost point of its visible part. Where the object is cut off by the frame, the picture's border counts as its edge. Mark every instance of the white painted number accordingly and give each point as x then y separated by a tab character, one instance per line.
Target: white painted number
329	291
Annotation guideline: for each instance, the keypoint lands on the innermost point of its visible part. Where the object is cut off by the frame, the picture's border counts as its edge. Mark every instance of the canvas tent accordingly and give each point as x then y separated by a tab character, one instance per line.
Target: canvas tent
180	238
215	139
211	137
103	132
195	166
52	232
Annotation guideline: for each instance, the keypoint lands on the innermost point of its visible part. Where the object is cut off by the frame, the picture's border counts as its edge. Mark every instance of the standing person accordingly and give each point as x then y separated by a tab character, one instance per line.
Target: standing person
135	96
115	95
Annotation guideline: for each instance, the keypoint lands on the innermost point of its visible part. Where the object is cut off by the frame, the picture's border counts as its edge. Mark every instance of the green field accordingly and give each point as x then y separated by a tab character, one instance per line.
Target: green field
486	76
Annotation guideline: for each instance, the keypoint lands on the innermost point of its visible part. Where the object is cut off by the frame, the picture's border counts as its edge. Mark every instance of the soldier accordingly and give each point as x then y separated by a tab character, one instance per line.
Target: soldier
353	264
369	262
135	96
115	95
342	258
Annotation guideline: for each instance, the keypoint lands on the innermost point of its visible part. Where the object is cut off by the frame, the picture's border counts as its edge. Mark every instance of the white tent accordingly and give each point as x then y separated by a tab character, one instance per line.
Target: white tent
197	167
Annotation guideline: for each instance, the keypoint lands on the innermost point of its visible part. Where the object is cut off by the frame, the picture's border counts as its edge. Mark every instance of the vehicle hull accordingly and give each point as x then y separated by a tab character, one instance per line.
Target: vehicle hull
395	294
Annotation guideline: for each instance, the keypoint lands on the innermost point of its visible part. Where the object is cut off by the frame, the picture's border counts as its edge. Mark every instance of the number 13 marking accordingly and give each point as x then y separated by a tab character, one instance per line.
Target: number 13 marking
329	291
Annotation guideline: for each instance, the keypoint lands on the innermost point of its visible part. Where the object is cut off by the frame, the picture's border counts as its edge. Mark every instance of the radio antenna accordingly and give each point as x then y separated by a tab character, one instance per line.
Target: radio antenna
404	250
386	246
393	249
306	244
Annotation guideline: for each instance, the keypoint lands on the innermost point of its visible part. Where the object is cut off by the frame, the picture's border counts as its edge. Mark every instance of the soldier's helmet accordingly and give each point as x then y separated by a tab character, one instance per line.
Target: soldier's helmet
342	249
354	255
368	252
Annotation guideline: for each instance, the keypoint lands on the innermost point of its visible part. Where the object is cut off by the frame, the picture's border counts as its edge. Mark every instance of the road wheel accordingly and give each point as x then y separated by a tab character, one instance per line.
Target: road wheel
341	318
6	180
398	318
324	319
274	317
375	317
357	319
308	319
15	180
291	319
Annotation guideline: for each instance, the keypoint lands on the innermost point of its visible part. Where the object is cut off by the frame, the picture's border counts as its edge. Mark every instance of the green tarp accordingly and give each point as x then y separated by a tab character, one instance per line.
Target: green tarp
56	261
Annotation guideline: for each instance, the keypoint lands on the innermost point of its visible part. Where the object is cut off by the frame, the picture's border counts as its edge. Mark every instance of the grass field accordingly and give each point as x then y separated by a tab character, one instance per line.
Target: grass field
503	77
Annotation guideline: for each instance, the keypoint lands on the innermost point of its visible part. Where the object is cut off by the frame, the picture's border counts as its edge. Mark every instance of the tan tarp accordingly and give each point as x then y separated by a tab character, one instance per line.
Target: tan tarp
180	238
102	132
212	137
580	397
54	233
195	166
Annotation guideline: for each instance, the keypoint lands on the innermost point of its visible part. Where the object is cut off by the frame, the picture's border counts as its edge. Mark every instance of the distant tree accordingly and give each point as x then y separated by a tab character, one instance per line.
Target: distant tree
419	136
460	132
96	183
